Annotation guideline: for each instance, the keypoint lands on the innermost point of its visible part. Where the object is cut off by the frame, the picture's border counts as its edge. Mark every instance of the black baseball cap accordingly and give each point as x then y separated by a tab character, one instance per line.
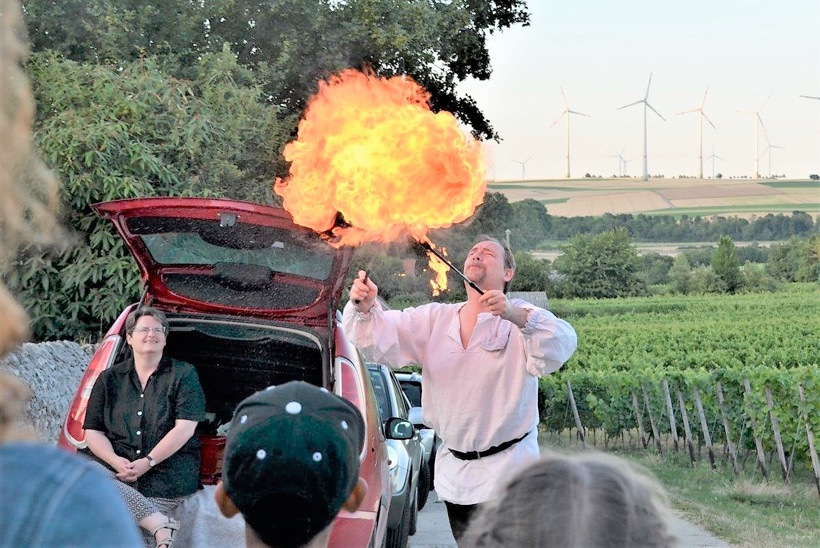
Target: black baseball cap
291	460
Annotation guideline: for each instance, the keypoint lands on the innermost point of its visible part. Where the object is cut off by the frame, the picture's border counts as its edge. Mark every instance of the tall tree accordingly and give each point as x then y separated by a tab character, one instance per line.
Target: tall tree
601	266
725	264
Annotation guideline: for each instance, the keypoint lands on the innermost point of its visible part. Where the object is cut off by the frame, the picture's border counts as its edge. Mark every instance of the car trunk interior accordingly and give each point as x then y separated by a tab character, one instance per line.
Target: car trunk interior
235	359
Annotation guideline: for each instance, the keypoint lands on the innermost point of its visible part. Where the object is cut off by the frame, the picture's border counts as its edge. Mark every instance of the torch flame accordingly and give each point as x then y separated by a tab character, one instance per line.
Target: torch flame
371	149
439	283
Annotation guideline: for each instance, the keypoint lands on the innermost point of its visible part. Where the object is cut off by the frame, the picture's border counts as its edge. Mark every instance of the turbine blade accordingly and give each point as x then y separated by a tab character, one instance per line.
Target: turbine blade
703	101
656	112
764	102
707	119
630	104
688	111
810	97
565	97
647	86
558	119
581	113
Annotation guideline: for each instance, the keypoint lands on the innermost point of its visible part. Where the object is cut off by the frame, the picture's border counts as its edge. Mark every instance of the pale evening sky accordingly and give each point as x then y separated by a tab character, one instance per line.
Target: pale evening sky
602	53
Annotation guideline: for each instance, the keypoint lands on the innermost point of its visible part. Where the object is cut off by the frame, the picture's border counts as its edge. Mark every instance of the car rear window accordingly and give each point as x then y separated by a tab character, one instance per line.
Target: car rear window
174	241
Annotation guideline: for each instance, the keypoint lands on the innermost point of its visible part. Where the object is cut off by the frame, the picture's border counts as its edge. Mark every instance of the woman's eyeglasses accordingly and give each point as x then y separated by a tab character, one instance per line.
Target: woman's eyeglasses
146	330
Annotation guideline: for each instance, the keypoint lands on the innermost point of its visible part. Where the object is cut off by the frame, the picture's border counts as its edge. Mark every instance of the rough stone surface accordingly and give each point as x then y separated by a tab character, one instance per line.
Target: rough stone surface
53	371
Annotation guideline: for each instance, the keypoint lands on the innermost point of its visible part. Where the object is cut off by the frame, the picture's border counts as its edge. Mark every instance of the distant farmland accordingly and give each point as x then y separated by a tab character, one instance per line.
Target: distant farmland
692	197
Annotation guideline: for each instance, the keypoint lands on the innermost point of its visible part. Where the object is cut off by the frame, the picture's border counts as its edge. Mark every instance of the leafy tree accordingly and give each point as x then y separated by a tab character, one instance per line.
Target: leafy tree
725	264
655	268
129	133
601	266
704	280
531	274
530	224
755	279
295	43
680	275
797	260
492	217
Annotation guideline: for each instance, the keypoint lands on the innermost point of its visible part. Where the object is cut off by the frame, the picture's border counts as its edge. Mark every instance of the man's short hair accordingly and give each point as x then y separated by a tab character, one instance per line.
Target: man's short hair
292	460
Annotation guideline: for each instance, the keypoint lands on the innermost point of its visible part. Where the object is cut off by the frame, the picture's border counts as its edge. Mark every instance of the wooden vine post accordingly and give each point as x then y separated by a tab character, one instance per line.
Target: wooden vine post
577	417
784	468
761	455
810	434
651	420
669	411
639	419
687	431
707	438
729	445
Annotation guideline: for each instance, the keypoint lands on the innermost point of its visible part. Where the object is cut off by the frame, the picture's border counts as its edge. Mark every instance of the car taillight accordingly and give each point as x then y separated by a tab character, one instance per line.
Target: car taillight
73	434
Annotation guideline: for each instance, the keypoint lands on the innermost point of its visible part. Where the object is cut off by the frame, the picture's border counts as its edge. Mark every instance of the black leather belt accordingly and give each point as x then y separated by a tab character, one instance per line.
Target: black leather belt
473	455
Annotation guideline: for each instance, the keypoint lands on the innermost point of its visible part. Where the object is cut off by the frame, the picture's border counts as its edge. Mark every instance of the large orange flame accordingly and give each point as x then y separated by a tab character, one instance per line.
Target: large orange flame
371	149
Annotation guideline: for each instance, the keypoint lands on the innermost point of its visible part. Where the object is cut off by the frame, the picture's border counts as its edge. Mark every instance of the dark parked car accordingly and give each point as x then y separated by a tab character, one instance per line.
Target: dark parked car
405	456
411	384
252	301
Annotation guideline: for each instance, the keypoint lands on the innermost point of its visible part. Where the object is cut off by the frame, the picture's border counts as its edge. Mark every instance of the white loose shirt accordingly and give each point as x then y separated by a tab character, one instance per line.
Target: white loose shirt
475	397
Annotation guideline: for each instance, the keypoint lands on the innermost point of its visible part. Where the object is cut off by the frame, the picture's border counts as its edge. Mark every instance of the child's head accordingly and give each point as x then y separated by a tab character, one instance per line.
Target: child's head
590	501
292	462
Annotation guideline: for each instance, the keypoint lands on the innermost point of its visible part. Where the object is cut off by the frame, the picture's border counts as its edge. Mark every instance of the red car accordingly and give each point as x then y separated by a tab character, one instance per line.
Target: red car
252	301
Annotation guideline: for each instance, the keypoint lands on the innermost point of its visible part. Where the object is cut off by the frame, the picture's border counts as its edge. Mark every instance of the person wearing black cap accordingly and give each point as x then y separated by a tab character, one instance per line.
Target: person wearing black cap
291	463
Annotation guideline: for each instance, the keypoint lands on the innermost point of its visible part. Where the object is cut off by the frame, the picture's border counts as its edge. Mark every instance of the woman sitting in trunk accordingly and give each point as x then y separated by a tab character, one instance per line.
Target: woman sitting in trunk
140	424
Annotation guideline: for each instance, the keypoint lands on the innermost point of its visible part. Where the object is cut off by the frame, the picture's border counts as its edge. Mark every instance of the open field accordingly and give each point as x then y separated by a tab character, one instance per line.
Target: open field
693	197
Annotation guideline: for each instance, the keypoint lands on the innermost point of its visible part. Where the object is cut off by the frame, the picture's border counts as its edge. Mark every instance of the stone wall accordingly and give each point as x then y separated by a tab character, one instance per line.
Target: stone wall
53	371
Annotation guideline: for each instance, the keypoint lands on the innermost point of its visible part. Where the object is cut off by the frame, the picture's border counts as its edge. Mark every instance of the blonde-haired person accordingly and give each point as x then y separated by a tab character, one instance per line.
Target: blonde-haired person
585	501
49	497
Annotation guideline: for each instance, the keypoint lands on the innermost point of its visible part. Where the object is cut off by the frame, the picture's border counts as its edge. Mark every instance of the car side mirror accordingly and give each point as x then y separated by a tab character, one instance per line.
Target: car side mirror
399	429
415	416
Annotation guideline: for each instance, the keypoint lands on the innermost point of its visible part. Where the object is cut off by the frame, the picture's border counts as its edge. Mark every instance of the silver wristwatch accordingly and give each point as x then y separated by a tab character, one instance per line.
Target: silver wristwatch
151	461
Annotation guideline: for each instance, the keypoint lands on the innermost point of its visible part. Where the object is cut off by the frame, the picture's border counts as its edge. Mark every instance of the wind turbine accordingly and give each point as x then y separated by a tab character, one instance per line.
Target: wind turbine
646	104
713	157
523	167
769	147
621	161
566	112
758	124
700	130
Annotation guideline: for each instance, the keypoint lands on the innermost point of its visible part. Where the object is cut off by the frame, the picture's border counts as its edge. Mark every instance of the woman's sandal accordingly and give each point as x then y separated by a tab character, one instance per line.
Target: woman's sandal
173	526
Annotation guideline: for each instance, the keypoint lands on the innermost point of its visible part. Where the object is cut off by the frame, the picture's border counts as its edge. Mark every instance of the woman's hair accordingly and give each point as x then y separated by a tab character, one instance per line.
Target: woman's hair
588	501
133	317
29	191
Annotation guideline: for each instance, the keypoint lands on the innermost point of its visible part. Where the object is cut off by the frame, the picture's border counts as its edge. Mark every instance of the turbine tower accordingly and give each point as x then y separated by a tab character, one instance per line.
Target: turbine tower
621	161
758	123
567	112
646	105
700	130
523	167
714	157
769	147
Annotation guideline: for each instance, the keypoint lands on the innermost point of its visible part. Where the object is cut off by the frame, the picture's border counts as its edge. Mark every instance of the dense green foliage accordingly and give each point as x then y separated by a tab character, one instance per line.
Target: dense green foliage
293	43
603	265
665	228
693	342
136	132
